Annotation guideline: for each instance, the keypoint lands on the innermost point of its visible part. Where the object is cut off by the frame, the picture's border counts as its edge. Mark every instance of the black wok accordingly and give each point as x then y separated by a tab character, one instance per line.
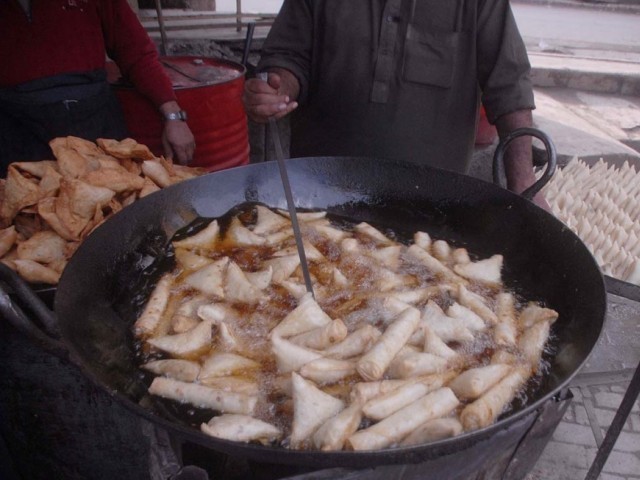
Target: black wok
544	260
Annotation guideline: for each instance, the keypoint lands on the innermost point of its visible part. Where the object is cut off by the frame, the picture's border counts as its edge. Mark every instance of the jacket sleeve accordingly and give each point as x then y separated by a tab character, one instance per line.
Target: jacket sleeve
128	44
503	64
289	44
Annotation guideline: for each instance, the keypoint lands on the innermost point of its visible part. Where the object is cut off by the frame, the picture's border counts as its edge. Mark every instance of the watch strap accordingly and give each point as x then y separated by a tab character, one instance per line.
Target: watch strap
180	115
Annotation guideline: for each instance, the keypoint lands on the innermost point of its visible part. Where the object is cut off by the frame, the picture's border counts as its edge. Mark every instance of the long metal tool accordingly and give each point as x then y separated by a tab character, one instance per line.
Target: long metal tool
274	132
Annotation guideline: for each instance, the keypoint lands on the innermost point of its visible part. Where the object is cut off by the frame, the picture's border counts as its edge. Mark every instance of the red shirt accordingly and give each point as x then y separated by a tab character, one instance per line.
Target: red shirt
65	36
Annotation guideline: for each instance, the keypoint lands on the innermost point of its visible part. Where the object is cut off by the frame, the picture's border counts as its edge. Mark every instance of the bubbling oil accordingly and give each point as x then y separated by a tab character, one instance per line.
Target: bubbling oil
358	304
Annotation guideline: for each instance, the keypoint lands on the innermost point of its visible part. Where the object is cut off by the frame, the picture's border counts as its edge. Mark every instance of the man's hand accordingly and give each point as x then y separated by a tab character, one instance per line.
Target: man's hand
518	162
177	140
275	98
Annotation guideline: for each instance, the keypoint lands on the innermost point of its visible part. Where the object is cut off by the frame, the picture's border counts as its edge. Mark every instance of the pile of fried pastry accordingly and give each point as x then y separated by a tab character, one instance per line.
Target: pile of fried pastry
48	207
601	204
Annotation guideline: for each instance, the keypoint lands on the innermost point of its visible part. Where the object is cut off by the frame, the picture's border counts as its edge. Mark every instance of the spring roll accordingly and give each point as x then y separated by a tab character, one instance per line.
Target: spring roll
241	428
334	432
183	370
291	357
474	382
396	427
434	345
187	344
449	329
311	408
232	384
416	364
505	331
532	341
475	303
372	233
460	256
414	296
362	392
441	250
328	370
374	363
305	317
422	239
469	319
504	357
152	313
487	408
203	397
485	271
434	265
433	430
385	405
323	337
388	256
205	238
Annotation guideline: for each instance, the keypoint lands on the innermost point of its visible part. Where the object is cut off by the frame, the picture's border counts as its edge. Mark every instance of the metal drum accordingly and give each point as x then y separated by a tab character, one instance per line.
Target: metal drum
210	91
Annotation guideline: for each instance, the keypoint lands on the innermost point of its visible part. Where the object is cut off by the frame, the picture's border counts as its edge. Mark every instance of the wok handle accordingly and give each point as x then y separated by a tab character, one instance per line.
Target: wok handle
46	334
552	159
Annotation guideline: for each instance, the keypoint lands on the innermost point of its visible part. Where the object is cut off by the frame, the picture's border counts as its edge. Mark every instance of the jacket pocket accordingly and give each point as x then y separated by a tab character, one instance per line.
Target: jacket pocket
430	57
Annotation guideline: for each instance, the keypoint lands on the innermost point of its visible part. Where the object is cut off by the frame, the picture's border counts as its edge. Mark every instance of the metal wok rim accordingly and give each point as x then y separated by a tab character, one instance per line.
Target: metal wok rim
313	458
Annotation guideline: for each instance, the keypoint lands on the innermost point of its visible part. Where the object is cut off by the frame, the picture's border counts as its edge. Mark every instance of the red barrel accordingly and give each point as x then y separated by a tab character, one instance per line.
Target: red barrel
485	132
210	91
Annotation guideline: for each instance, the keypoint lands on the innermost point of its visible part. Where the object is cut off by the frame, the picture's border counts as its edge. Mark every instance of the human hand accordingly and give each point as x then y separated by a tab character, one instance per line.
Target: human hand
273	98
178	141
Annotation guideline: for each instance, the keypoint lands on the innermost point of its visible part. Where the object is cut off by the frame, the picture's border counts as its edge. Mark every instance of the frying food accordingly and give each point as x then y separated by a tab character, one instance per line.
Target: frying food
47	208
398	345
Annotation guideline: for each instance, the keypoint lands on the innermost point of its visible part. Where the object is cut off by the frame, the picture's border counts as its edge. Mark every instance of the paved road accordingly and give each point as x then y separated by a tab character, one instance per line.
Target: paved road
556	26
578	28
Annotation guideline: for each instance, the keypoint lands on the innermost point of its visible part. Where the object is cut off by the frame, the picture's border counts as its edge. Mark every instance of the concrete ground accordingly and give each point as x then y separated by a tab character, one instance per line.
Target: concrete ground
588	101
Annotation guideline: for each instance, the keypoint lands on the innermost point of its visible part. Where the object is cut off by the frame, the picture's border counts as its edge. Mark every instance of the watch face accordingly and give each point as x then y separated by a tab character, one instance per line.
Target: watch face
181	115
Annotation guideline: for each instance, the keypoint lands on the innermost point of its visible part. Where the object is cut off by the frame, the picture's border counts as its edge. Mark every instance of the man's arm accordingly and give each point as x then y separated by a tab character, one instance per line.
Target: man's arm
518	161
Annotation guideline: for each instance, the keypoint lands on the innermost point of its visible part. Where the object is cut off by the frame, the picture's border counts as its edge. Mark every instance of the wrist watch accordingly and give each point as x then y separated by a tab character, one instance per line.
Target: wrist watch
180	115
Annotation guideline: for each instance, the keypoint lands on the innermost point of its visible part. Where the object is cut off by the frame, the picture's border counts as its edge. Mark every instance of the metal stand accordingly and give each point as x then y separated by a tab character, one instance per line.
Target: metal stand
631	292
614	430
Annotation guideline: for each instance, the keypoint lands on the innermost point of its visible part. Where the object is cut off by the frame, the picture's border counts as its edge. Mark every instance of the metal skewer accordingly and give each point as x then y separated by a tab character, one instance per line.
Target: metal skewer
275	137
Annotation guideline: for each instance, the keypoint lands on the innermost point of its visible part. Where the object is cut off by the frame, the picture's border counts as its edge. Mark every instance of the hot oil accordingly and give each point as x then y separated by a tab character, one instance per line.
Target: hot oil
357	306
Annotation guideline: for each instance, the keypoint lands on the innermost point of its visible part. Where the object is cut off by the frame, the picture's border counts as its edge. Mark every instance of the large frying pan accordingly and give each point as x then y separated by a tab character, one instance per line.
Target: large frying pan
95	304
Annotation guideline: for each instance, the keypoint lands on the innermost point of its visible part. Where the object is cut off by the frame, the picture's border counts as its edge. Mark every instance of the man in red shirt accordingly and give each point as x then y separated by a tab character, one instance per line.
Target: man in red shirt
53	79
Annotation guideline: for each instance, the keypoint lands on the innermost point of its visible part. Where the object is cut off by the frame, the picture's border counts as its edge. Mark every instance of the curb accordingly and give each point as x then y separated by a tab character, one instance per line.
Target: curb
611	83
595	75
610	6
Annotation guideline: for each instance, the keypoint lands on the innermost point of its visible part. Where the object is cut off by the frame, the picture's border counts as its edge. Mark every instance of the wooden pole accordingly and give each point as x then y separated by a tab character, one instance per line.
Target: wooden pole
239	15
163	33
